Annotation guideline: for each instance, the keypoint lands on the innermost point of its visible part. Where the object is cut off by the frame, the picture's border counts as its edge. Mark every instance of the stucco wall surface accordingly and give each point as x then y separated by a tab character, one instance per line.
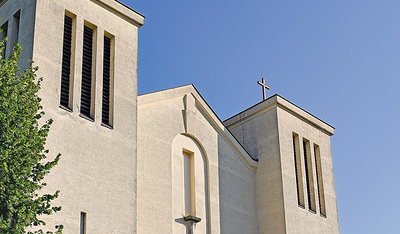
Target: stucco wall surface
266	131
165	121
26	27
97	170
259	135
302	220
237	191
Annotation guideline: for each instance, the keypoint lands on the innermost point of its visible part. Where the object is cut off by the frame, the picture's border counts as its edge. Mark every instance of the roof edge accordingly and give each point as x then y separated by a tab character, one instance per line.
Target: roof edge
288	106
130	8
143	99
124	10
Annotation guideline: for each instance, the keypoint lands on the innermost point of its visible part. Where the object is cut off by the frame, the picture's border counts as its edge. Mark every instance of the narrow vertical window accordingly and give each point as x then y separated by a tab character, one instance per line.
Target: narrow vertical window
66	69
83	223
15	29
189	189
108	66
3	34
297	168
87	92
4	29
309	175
320	184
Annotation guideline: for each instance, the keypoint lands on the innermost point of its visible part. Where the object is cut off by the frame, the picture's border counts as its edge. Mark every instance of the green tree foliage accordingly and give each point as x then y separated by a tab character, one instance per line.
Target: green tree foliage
22	151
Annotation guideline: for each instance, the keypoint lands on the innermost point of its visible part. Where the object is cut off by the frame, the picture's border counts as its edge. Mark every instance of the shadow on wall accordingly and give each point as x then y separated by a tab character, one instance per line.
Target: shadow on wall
190	185
237	192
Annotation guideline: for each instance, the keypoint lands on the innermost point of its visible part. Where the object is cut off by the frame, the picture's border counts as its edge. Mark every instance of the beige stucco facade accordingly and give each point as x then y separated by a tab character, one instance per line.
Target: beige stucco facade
166	157
266	130
97	171
177	120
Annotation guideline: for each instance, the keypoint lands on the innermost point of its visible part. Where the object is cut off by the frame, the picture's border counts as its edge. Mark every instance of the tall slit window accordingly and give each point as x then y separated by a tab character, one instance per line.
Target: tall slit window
67	59
309	175
189	187
3	34
297	168
108	67
88	61
15	29
83	223
320	184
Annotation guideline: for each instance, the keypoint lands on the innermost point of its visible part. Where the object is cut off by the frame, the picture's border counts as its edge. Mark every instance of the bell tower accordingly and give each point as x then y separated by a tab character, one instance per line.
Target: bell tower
86	51
295	181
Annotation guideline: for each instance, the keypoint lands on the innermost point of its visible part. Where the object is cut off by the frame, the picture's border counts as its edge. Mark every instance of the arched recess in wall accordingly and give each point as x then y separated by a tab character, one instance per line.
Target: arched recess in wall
190	184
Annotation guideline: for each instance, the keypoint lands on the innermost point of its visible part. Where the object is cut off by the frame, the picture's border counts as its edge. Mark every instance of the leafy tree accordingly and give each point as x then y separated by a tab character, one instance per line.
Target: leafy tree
22	151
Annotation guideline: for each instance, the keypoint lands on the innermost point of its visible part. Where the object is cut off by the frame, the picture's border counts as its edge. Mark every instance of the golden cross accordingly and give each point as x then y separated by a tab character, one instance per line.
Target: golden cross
264	86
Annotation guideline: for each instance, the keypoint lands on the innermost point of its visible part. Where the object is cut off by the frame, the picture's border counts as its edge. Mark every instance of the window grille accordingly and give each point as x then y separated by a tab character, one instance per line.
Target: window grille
66	63
106	82
87	61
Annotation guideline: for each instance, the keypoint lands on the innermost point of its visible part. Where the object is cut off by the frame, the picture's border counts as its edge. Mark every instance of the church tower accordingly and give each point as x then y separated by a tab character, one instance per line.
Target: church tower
294	178
163	161
86	51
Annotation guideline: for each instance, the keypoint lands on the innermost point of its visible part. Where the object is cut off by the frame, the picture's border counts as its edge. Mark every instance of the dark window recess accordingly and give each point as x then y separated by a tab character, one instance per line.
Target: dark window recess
66	62
320	185
83	223
307	174
15	30
86	92
296	171
106	82
3	35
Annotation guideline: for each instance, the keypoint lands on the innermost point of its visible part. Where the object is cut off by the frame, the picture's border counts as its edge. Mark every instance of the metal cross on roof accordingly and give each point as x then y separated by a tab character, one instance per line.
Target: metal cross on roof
264	86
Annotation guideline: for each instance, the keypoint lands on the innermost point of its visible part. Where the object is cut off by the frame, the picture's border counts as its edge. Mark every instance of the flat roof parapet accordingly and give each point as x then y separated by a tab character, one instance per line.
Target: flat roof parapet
116	7
123	9
278	101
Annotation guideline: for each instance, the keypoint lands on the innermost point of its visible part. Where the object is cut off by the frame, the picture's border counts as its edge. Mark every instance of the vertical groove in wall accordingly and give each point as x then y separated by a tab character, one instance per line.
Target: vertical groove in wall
309	177
320	184
297	168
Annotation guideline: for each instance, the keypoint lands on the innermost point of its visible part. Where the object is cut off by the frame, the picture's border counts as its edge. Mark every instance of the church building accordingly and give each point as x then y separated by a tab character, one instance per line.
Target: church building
162	162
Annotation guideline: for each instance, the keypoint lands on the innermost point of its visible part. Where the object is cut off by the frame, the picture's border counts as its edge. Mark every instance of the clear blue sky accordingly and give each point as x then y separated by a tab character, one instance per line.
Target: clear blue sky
340	60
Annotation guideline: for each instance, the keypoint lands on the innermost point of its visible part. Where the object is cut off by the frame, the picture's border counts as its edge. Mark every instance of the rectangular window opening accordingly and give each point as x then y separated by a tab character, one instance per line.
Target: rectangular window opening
320	184
83	223
309	175
88	71
108	80
297	168
189	183
3	34
67	70
15	29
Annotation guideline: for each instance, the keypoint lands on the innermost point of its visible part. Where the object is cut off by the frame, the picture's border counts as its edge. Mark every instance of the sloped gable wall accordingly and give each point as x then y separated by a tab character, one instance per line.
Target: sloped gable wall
167	125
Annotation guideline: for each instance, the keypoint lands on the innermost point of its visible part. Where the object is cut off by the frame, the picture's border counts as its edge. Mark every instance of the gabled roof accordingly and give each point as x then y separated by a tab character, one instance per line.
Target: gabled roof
212	116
